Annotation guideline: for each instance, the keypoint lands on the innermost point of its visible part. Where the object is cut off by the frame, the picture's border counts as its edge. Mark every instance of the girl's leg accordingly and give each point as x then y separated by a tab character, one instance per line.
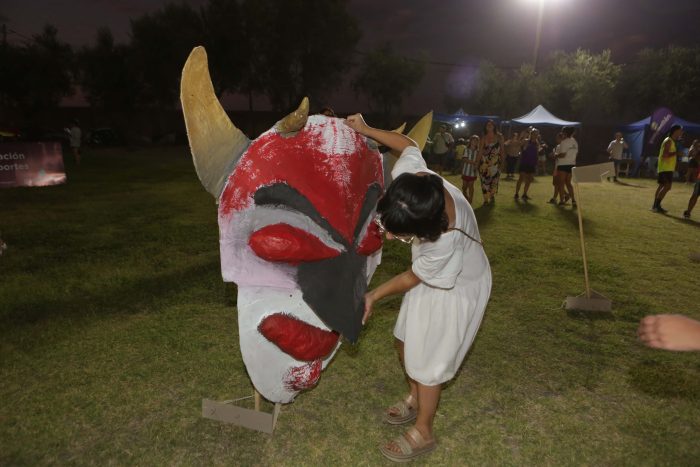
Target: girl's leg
657	193
413	386
517	185
470	191
569	187
528	180
428	398
666	187
464	188
561	186
691	204
560	191
554	188
485	188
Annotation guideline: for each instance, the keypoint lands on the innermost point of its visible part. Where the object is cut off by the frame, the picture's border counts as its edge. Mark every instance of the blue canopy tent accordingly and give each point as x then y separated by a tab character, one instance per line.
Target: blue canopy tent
634	133
459	117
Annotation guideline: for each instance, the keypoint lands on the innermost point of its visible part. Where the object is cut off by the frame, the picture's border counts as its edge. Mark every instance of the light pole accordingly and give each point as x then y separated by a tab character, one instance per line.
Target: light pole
538	34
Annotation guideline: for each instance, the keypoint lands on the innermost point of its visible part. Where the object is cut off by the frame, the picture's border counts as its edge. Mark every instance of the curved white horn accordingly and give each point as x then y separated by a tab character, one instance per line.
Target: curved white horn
215	142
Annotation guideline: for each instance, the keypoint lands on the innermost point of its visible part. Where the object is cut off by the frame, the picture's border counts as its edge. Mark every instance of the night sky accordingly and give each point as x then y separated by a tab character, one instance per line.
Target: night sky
448	31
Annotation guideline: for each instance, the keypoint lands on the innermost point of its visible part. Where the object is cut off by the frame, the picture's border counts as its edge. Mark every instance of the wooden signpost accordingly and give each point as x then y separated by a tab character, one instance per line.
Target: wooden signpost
590	300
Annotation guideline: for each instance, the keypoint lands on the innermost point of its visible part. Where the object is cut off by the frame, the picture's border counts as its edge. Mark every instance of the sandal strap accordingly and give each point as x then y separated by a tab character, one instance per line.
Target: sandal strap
410	401
416	436
401	409
404	445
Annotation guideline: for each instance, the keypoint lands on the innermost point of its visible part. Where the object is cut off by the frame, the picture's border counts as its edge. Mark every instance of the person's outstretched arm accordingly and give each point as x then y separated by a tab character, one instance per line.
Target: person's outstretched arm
393	140
397	284
670	332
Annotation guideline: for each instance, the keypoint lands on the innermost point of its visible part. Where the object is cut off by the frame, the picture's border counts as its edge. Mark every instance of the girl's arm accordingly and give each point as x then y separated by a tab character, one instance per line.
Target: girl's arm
398	284
479	151
393	140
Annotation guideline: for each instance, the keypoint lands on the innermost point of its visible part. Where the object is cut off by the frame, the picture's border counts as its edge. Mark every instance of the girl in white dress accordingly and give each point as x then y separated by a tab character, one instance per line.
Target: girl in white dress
446	289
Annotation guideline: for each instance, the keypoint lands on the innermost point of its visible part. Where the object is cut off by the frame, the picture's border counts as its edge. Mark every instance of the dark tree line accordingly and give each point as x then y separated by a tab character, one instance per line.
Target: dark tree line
286	49
590	87
281	49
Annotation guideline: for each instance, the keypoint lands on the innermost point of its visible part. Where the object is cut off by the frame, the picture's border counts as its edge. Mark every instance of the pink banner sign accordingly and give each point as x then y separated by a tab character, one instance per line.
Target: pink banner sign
31	164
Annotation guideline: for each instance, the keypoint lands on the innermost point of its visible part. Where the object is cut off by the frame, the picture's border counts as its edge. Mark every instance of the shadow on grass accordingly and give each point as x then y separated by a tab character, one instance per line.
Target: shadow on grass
631	185
683	220
527	207
583	315
483	214
674	380
128	297
569	214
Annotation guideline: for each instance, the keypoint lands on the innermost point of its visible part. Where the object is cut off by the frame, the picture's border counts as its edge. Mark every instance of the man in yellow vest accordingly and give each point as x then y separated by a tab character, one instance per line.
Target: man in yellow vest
666	166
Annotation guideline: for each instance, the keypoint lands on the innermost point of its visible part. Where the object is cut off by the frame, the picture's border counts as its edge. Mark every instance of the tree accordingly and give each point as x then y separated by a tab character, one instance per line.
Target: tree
105	74
225	42
493	91
667	77
160	44
256	16
37	75
582	84
386	79
307	46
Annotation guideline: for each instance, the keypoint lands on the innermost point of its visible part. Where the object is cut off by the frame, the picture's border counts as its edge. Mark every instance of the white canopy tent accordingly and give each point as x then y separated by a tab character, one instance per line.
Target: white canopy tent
541	116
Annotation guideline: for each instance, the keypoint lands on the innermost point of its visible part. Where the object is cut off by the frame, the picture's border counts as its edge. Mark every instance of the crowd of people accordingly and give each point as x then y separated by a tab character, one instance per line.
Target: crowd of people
488	155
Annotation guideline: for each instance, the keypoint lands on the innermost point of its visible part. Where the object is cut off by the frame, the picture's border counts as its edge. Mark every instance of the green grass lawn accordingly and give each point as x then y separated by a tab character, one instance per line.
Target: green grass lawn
115	323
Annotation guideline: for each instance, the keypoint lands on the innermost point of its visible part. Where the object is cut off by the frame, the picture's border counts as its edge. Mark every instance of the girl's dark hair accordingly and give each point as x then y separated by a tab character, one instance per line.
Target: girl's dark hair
495	128
414	205
673	129
568	131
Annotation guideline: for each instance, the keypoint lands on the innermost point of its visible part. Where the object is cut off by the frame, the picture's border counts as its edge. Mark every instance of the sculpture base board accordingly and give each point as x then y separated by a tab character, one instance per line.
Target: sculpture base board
597	302
247	418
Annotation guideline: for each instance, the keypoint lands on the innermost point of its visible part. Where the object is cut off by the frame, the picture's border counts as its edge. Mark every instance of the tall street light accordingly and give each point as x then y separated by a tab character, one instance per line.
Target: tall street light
538	34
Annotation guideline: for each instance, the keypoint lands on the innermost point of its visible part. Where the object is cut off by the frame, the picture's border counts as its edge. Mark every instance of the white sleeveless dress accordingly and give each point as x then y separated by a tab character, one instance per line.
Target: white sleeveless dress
440	316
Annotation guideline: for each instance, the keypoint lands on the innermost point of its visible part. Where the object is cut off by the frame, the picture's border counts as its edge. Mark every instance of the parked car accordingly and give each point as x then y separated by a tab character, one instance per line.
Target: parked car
7	133
46	134
104	137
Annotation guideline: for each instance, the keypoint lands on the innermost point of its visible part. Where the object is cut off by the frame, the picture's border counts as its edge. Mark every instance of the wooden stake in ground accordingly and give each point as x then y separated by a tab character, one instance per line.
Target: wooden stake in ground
590	300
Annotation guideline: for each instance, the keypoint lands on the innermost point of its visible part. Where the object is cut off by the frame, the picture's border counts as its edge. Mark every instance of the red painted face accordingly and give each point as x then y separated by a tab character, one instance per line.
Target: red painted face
334	178
296	214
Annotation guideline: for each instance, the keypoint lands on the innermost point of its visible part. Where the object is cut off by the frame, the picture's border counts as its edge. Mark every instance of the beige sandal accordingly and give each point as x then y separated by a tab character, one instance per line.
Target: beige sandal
408	451
401	412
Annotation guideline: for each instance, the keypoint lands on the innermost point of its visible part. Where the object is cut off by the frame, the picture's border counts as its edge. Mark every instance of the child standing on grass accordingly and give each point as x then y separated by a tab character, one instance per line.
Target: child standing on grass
460	147
566	161
528	163
469	168
555	176
446	289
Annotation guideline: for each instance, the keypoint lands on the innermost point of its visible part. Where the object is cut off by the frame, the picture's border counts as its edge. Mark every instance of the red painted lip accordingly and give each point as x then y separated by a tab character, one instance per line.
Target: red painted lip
303	377
297	338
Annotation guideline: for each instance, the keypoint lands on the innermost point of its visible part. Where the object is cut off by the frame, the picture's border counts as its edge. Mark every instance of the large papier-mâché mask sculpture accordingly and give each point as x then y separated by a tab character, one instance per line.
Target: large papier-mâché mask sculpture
295	211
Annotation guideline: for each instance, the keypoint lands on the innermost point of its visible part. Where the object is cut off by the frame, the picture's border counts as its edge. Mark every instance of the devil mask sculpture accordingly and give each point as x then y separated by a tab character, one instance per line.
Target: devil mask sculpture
295	211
